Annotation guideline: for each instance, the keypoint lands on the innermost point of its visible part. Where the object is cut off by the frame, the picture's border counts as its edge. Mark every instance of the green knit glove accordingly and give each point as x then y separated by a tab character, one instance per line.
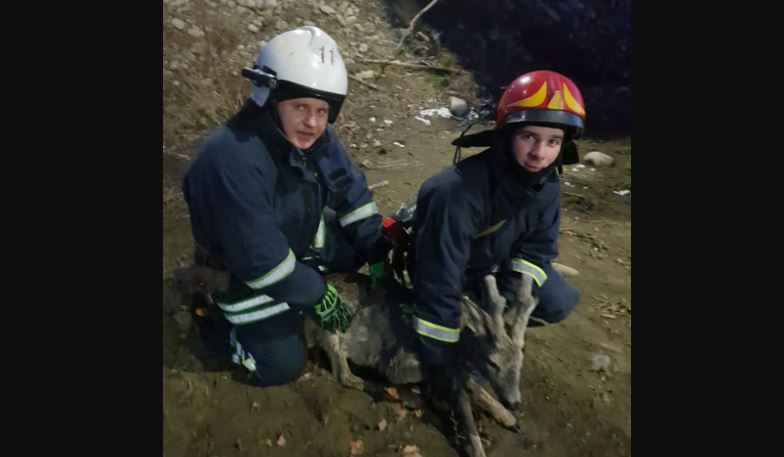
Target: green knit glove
332	312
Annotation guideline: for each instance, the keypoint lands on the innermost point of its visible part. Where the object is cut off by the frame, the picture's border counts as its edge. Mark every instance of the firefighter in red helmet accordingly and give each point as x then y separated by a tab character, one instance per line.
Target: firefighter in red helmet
495	212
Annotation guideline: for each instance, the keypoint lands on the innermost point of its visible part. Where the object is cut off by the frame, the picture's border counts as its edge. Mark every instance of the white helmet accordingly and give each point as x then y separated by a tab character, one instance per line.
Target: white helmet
304	62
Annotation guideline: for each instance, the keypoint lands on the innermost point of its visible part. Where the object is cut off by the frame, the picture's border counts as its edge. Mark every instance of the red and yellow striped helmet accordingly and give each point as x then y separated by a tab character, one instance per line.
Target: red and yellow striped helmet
545	97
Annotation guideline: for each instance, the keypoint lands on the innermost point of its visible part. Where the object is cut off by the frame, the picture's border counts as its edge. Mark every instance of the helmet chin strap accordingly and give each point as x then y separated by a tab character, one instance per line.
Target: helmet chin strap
531	178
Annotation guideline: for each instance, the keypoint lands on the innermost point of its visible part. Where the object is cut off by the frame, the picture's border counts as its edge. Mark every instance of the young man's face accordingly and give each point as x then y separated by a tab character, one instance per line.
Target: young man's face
303	120
535	147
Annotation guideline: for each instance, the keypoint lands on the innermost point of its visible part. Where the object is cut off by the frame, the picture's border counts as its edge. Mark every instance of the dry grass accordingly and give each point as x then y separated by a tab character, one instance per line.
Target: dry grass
209	88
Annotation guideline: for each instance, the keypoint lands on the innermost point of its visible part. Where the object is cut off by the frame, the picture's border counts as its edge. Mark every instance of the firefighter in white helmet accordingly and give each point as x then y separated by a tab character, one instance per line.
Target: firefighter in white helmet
275	200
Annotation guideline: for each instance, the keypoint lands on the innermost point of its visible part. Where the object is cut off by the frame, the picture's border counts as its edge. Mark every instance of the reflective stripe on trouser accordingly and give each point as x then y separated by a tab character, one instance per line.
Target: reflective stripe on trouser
435	331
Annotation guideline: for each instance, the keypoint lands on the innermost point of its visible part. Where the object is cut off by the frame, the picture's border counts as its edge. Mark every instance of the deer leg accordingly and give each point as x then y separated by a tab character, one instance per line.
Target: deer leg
330	342
493	406
464	410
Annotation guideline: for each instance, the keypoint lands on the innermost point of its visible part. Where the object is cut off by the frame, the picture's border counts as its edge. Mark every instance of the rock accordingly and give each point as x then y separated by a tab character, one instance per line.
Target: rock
366	74
410	450
327	10
253	28
363	47
195	32
257	4
600	362
198	47
281	25
599	159
178	24
458	106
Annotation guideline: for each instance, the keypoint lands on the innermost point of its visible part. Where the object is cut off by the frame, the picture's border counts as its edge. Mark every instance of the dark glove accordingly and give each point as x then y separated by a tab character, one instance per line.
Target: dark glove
395	232
331	312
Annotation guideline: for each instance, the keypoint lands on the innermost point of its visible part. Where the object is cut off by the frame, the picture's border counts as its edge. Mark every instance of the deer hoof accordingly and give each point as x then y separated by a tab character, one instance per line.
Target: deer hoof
515	428
351	381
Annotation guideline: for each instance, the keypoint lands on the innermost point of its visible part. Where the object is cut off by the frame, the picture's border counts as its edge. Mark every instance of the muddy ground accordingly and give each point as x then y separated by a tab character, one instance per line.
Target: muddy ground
569	408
